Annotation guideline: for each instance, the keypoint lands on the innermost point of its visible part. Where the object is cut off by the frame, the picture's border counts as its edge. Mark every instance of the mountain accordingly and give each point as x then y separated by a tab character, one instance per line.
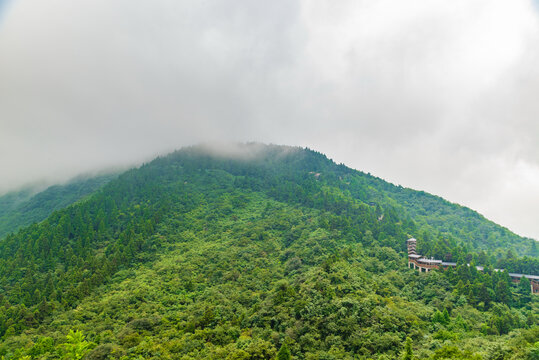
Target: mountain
24	207
258	251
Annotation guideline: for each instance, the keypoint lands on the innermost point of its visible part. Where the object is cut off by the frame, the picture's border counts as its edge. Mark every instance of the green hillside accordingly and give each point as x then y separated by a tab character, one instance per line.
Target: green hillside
24	207
268	252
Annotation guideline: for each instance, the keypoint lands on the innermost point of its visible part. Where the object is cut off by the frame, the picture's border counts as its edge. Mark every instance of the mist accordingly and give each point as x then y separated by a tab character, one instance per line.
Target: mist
431	95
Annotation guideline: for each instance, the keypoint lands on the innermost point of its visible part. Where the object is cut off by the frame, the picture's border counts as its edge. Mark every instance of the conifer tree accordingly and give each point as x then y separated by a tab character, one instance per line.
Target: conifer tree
408	353
284	353
524	290
445	317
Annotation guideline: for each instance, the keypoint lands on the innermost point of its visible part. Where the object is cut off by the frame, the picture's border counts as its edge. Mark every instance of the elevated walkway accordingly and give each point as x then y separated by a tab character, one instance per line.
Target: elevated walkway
423	264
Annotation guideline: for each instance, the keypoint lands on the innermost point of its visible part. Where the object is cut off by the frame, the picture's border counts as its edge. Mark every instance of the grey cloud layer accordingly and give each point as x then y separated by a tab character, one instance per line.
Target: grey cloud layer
434	95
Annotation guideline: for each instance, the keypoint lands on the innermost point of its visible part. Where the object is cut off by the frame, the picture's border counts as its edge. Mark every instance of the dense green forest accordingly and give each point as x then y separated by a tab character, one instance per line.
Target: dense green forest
25	207
273	253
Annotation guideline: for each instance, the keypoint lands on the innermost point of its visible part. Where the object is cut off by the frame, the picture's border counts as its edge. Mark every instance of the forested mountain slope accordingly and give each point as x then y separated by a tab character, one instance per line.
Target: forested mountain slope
24	207
447	220
254	253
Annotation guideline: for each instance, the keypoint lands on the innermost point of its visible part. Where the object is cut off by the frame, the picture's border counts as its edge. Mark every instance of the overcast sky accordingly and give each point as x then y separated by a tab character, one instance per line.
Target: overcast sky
436	95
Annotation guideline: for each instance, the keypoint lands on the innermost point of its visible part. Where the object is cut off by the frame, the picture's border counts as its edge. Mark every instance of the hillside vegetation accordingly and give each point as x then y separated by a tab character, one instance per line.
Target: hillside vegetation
25	207
267	252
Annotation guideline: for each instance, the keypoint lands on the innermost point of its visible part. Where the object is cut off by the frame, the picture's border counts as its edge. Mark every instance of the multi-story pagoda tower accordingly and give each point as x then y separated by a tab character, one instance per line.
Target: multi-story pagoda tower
411	243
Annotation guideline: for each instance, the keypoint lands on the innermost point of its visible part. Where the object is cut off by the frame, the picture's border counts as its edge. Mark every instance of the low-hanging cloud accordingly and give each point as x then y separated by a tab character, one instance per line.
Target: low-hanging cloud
434	95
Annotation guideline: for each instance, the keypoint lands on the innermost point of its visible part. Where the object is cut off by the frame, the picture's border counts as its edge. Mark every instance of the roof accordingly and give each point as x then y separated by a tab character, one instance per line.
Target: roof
449	263
414	256
430	261
533	277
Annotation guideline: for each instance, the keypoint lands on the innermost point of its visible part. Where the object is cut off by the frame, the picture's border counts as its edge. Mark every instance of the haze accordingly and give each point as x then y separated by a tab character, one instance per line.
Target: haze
435	95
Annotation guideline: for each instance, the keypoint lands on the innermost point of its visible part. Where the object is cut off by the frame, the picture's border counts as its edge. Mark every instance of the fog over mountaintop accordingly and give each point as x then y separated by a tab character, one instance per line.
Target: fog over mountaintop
429	95
36	202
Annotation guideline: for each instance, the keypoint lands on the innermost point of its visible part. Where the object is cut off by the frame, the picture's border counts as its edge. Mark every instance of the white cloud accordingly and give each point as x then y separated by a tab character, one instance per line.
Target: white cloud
435	95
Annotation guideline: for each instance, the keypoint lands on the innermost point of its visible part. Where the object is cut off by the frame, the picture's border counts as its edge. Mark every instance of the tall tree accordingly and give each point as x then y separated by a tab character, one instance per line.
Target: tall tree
284	353
408	353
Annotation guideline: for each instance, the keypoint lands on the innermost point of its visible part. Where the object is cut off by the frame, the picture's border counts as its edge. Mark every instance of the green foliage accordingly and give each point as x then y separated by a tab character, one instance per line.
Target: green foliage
284	353
441	317
279	255
408	353
75	346
24	207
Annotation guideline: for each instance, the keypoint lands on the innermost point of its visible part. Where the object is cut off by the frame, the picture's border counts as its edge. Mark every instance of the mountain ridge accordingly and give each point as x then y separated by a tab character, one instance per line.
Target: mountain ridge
33	204
194	255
